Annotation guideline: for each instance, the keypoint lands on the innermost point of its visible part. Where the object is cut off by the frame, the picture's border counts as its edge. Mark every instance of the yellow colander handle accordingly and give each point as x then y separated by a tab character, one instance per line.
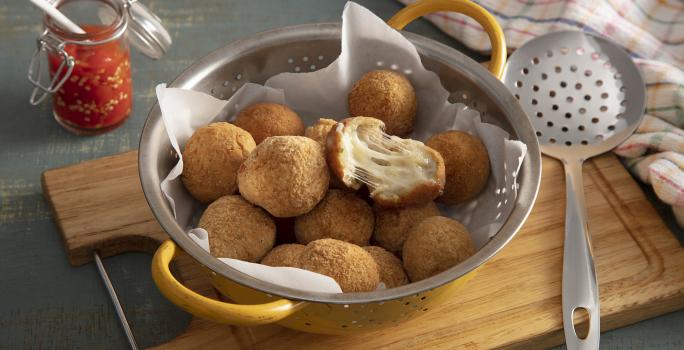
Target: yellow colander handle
210	309
468	8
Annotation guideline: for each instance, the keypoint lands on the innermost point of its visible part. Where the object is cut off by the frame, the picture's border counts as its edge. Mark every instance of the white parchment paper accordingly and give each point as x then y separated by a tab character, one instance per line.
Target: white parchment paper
368	43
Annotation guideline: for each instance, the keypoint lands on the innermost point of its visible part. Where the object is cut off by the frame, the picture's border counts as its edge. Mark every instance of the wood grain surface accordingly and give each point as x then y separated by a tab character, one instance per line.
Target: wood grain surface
513	302
47	303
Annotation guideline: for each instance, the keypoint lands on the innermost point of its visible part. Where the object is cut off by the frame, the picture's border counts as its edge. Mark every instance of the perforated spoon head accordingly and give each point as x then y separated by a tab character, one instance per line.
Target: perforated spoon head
583	93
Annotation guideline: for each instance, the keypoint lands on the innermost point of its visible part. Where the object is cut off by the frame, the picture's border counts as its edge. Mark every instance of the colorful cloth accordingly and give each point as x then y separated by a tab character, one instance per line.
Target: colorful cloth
651	31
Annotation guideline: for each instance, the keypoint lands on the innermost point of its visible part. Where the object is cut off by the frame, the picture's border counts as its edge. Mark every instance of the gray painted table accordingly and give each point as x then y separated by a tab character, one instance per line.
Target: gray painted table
46	303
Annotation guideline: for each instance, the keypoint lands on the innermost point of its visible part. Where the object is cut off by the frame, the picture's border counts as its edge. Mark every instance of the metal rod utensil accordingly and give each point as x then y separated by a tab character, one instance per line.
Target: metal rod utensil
115	300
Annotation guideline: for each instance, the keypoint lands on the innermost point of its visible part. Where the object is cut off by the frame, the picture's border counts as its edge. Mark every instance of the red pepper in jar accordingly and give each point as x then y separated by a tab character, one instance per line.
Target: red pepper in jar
90	70
98	93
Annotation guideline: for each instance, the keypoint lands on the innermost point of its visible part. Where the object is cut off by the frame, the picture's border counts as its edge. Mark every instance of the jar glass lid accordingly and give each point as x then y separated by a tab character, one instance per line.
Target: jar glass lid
145	30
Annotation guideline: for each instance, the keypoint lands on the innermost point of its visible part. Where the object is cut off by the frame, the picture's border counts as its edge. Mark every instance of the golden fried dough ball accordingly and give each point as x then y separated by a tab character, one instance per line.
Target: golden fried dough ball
267	119
388	96
392	225
399	172
211	159
238	229
435	245
352	267
466	164
340	215
286	175
319	131
392	272
284	255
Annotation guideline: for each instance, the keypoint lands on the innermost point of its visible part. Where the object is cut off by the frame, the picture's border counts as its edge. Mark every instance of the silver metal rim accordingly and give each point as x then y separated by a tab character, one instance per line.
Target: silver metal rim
529	176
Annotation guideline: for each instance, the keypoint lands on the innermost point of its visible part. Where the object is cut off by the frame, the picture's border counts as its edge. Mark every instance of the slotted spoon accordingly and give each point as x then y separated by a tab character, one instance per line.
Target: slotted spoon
584	96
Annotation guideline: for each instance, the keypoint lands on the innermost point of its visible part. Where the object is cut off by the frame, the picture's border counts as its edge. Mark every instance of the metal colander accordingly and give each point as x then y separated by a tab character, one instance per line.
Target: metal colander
306	48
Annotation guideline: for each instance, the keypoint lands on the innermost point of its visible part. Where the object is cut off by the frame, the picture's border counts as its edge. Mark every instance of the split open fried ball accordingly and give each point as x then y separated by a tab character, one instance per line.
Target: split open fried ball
398	172
211	159
392	225
392	272
286	255
466	162
353	268
340	215
286	175
237	229
434	245
388	96
267	119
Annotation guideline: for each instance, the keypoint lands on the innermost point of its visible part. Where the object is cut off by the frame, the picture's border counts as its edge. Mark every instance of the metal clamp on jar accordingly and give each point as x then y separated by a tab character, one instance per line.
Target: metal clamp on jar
90	72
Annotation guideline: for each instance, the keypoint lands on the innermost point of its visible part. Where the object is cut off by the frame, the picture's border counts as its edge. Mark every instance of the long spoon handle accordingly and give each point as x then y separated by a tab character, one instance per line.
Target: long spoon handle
580	287
58	16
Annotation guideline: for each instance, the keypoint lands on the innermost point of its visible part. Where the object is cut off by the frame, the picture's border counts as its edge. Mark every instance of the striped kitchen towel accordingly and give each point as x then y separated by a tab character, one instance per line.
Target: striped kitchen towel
652	31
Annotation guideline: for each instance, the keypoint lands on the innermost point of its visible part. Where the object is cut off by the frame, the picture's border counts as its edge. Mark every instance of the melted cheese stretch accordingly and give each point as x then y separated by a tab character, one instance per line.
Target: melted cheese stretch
386	163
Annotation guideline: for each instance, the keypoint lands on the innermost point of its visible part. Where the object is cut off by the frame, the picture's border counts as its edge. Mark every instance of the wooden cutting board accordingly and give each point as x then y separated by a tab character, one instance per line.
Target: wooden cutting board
513	302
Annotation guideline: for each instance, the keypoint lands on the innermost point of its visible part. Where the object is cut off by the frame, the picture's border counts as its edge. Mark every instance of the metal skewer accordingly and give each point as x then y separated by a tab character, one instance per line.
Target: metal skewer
115	300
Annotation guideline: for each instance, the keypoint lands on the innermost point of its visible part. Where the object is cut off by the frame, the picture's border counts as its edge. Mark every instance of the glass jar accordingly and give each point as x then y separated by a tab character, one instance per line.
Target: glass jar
90	74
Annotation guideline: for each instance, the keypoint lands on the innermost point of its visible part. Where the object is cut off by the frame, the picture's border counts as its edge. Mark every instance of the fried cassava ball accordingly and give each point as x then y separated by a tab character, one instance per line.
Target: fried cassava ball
466	164
392	225
340	215
267	119
398	172
284	255
211	159
353	268
319	131
286	175
388	96
237	229
392	272
435	245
